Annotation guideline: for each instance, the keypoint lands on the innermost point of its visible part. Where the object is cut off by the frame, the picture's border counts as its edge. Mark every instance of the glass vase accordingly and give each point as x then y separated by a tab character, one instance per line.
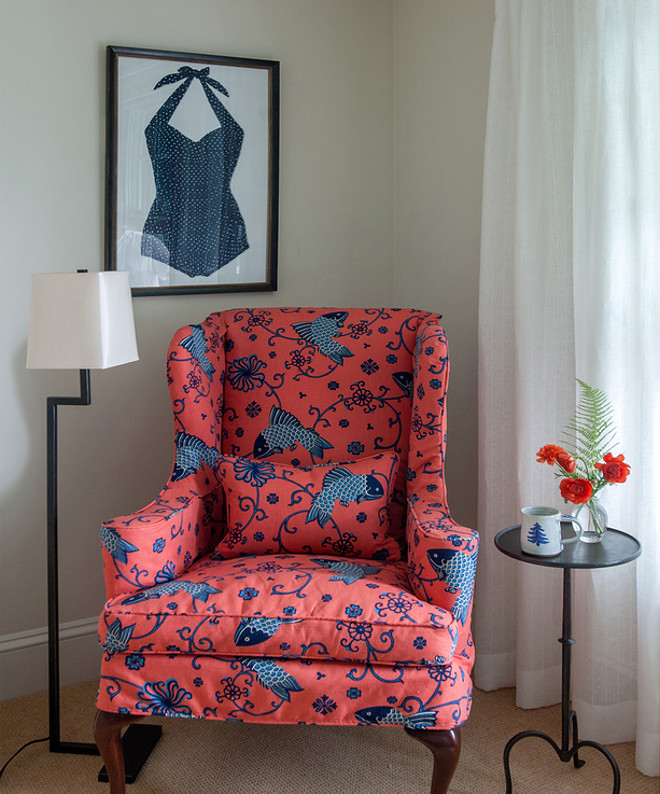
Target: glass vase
593	518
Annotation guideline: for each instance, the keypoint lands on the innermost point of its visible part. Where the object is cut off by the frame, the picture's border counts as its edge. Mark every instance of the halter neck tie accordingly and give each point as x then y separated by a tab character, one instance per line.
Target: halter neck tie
187	73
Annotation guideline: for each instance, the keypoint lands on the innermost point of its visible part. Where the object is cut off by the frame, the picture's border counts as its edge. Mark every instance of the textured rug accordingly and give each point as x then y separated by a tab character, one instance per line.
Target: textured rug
250	759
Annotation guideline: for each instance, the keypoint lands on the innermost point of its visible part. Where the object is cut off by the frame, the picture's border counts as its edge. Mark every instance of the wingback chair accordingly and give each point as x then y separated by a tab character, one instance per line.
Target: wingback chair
301	565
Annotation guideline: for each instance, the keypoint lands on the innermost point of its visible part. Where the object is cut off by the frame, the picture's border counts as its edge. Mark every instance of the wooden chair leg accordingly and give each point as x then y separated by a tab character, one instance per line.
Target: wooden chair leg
107	733
446	749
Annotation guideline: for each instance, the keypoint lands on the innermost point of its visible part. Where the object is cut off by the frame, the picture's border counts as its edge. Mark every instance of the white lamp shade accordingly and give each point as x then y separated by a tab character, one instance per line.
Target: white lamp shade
81	321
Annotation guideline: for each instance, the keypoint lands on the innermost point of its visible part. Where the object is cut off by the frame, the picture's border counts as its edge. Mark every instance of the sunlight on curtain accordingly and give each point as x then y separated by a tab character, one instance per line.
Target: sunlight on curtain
570	287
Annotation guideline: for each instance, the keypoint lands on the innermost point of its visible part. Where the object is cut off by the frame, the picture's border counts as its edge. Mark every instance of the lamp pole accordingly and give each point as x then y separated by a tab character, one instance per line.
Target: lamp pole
56	745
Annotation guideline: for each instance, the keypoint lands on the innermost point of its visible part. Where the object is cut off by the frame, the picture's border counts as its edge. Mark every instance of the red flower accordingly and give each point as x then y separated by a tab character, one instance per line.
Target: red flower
614	469
566	462
576	490
548	454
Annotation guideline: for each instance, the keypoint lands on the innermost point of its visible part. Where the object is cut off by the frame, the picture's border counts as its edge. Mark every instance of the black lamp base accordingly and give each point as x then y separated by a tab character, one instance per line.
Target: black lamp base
138	742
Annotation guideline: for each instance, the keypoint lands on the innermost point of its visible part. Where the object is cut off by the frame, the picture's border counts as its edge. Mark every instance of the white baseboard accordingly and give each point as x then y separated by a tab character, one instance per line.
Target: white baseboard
24	658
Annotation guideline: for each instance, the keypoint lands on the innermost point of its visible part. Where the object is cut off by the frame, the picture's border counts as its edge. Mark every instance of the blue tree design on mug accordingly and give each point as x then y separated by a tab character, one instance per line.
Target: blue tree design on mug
536	535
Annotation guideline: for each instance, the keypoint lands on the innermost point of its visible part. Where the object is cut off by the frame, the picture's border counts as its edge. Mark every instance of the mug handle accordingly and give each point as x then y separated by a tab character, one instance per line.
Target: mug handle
574	520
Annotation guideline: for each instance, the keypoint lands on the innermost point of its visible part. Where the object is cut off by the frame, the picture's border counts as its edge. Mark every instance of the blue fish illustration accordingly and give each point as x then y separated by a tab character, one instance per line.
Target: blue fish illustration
115	545
347	572
458	570
273	677
195	344
252	631
191	452
117	637
404	380
285	432
200	591
321	332
388	715
340	484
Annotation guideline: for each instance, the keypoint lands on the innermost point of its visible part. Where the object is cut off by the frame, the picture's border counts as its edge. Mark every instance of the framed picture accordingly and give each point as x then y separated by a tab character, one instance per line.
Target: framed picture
192	164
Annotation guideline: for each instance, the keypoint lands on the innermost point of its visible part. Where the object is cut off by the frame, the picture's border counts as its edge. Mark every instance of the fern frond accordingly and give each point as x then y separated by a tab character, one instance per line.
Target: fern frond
591	433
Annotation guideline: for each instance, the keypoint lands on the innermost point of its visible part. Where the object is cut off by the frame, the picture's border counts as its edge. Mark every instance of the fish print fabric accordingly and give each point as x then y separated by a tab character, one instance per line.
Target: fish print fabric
329	509
292	606
323	415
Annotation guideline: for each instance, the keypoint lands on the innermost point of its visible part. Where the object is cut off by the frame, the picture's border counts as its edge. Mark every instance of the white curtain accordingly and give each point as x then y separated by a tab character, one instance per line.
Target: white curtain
570	288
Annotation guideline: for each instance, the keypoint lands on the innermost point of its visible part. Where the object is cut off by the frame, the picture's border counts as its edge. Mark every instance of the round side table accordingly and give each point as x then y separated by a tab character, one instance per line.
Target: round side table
616	548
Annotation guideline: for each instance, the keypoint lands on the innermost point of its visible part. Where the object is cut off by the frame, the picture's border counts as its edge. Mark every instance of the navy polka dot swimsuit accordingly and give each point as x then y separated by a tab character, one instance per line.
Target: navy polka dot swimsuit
195	224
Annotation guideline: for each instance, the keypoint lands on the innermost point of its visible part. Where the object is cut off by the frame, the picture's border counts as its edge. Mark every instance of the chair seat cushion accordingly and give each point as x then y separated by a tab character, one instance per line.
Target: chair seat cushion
283	606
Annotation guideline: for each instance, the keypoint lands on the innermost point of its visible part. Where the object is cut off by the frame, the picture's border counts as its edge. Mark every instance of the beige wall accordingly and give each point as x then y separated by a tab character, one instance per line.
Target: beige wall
358	226
442	63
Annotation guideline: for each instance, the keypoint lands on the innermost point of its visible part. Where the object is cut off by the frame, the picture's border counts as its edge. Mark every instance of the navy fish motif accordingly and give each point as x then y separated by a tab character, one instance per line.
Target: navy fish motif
273	677
252	631
191	452
458	570
347	572
117	637
321	332
200	591
388	715
284	431
115	545
340	484
404	380
195	344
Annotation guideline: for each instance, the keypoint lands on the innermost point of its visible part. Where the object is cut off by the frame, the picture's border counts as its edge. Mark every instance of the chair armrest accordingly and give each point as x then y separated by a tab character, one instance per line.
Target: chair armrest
160	541
442	558
185	521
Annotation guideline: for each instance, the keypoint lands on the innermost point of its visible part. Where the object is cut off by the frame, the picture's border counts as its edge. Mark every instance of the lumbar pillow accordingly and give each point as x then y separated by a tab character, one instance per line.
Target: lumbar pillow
340	509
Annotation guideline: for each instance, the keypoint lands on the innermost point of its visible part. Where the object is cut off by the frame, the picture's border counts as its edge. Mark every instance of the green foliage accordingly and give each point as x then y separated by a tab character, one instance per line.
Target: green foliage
591	433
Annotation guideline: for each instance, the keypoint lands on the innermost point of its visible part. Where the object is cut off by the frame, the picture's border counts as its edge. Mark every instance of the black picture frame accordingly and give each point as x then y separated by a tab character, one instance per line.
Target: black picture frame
192	171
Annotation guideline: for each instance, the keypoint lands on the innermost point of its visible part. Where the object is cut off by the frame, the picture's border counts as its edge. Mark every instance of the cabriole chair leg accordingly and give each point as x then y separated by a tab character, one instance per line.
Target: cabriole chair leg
446	749
107	733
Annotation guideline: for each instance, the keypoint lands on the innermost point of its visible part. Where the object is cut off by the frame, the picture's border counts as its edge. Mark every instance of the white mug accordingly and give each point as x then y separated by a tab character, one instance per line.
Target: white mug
540	531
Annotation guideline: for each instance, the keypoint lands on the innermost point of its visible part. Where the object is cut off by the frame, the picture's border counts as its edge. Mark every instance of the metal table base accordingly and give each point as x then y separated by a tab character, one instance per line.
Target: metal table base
570	742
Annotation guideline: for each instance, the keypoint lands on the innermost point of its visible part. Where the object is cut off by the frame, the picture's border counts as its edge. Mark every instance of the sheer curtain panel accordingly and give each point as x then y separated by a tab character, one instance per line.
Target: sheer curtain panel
570	288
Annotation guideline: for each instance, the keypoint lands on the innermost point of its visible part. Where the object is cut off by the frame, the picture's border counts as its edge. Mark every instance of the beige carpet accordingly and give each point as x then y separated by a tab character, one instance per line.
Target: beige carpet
249	759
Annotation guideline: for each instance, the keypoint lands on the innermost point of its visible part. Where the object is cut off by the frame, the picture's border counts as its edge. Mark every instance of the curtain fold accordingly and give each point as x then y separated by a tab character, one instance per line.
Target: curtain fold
570	287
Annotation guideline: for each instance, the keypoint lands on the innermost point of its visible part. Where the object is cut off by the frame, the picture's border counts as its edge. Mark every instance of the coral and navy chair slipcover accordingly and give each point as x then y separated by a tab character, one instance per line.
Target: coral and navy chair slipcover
301	565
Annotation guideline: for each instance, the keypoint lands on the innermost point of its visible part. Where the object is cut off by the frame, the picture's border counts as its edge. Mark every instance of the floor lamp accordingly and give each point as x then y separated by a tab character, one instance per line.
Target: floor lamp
77	321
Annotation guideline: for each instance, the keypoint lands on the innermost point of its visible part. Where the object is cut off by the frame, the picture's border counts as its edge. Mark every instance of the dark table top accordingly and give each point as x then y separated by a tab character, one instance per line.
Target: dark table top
616	548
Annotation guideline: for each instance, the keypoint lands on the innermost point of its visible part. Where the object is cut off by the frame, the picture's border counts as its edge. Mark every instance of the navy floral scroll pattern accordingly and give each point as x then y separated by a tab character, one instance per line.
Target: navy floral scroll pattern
316	637
161	541
342	509
344	670
285	605
290	691
309	386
